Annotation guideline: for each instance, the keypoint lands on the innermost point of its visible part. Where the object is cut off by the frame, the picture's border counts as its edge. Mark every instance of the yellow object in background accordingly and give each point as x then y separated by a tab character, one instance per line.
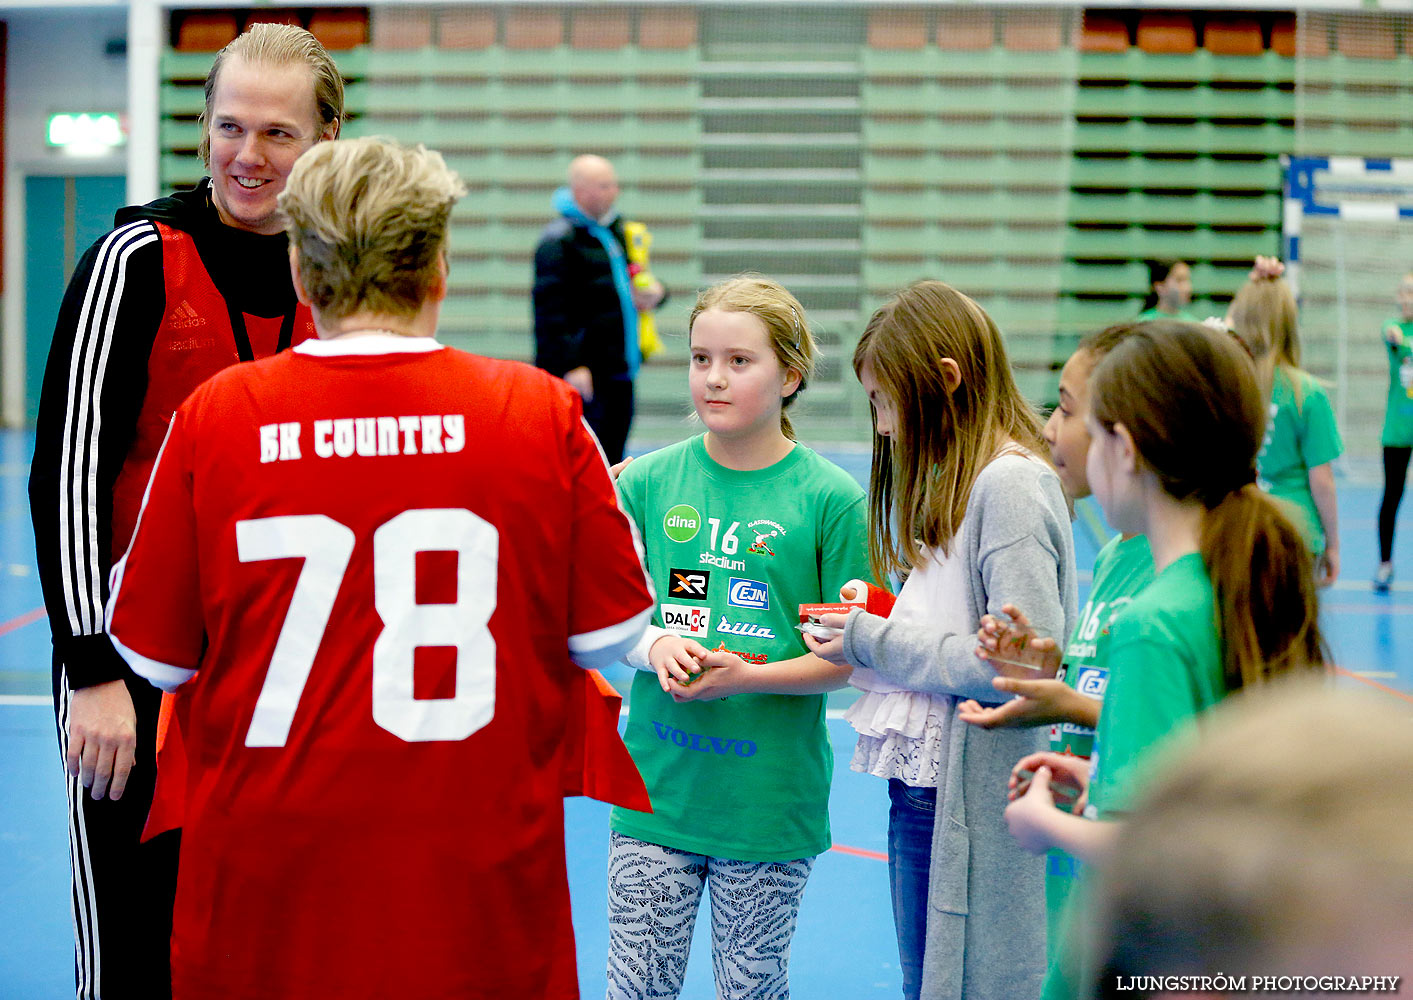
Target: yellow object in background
636	235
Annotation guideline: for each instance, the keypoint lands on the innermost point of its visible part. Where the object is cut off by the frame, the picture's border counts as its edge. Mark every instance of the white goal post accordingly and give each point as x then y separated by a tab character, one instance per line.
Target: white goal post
1348	237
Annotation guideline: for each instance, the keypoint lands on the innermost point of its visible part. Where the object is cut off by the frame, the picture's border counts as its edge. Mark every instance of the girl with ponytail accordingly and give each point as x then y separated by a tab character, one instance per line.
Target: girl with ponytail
1301	440
1177	418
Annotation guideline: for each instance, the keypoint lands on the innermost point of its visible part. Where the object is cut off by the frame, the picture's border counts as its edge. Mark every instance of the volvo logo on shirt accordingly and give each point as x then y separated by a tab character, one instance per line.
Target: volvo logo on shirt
747	594
743	628
1092	681
690	584
685	619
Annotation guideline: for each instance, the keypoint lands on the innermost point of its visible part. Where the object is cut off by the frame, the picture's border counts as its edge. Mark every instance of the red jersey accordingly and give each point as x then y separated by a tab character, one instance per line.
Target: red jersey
365	559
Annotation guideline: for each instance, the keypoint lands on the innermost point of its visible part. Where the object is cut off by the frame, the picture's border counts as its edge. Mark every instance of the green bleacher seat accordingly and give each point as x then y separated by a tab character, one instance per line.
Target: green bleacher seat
1339	69
1101	279
1138	208
1137	65
900	96
911	240
1043	98
966	135
173	134
1202	173
1199	137
1337	104
1083	315
182	99
1138	243
1138	101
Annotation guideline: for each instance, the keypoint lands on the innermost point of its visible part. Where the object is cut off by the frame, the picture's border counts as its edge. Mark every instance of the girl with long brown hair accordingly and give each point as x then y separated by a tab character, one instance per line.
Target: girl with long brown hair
1177	418
963	501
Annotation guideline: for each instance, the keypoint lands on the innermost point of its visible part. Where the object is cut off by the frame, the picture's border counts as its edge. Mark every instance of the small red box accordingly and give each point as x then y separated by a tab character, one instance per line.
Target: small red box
811	612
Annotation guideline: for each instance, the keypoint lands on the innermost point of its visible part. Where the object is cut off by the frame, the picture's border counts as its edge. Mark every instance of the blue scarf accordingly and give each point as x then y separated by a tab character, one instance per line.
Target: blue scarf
565	205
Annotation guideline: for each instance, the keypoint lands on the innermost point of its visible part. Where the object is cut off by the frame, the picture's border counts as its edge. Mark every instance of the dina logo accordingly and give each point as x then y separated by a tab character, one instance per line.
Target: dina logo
682	523
748	594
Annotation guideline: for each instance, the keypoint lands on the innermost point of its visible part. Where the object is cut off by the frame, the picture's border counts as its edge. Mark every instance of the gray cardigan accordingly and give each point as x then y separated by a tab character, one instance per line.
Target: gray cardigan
986	913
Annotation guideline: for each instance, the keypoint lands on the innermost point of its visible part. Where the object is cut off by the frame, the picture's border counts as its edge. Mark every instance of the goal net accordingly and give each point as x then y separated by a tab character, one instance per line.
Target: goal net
1349	239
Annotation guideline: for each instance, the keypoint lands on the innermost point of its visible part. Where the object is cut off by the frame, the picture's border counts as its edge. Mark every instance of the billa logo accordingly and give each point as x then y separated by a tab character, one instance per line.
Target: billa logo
682	523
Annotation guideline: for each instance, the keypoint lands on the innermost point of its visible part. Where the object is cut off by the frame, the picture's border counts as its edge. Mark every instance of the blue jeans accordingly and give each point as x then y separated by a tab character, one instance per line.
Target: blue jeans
911	812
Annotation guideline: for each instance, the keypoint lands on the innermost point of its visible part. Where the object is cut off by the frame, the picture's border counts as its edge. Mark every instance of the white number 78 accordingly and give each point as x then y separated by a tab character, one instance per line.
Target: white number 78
326	546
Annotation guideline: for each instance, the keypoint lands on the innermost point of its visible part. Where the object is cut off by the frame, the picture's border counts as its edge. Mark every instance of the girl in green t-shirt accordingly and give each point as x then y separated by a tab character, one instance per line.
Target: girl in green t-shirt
1169	291
739	526
1301	440
1177	417
1068	703
1398	426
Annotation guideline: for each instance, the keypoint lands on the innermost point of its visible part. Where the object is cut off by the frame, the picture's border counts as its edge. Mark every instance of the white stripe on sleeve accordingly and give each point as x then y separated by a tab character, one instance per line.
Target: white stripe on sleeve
78	470
162	675
597	649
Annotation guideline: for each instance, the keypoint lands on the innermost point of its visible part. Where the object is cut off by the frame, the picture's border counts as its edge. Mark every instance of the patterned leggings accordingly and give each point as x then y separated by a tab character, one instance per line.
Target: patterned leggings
653	893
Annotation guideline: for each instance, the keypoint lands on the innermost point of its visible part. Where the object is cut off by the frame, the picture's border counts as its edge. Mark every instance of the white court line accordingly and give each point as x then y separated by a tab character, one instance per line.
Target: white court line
26	699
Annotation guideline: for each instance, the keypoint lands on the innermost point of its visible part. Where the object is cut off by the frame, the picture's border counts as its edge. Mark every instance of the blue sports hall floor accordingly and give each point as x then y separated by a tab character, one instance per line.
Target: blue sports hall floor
844	946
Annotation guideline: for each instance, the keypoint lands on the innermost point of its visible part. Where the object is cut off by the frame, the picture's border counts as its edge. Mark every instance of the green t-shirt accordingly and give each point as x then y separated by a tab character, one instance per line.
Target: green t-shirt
1186	315
732	555
1122	569
1398	417
1299	436
1165	667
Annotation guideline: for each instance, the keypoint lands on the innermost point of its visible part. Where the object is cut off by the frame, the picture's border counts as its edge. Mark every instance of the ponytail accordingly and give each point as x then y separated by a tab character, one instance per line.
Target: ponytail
1263	577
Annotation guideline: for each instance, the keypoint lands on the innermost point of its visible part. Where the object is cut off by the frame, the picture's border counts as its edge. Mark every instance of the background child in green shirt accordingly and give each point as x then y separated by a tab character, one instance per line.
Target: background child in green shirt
1169	291
740	526
1398	426
1301	439
1176	417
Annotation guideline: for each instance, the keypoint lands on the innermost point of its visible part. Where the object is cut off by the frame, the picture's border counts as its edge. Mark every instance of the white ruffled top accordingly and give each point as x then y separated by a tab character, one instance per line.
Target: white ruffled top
903	734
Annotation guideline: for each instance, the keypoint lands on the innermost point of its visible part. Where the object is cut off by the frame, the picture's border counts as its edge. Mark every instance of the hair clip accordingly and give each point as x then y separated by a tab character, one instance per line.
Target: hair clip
799	328
1267	268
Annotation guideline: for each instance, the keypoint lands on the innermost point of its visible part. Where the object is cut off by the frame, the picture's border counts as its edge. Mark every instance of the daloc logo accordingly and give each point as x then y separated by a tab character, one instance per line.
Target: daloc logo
748	594
685	619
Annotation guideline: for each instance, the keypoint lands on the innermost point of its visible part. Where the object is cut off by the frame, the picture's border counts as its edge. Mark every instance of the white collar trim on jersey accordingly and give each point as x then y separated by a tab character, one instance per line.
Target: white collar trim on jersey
371	343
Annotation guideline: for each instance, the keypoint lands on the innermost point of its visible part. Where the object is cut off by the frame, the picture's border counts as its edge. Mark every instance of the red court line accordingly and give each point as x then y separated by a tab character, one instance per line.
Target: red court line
1374	684
28	618
859	852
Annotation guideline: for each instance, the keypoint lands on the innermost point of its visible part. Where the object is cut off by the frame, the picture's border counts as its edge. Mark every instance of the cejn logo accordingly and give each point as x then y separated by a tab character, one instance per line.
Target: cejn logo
747	594
690	584
682	523
1091	682
685	619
